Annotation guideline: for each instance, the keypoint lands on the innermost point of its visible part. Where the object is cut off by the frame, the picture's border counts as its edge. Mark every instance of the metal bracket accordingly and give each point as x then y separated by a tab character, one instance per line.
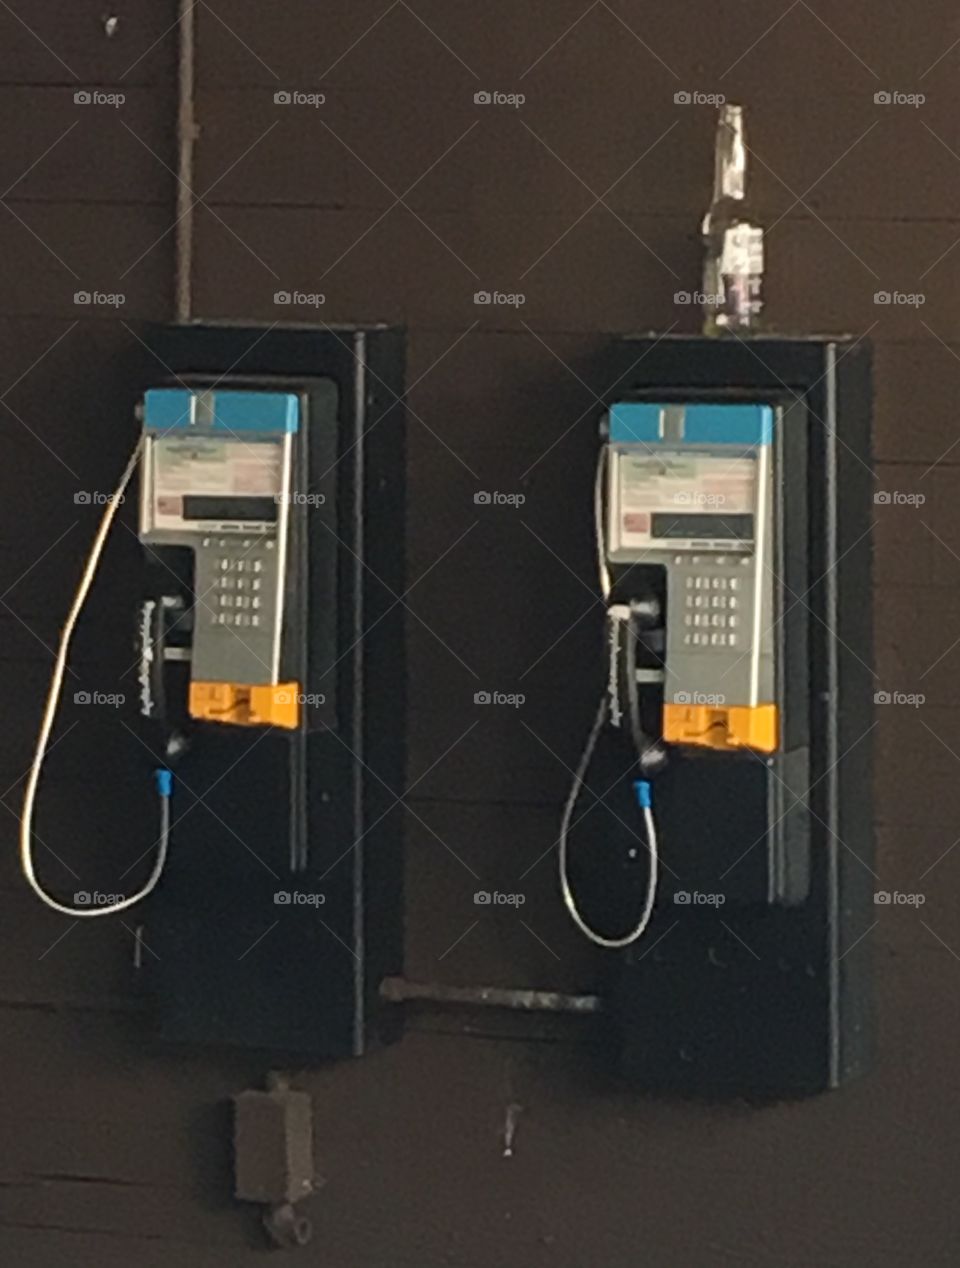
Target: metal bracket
273	1157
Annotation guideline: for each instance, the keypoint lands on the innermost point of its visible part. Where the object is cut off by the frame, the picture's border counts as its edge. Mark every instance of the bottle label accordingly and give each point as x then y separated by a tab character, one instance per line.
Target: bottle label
741	274
742	250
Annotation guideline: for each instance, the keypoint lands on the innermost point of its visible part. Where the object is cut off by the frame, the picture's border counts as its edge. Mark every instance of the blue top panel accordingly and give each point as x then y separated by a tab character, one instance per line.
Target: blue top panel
171	408
728	425
638	422
634	422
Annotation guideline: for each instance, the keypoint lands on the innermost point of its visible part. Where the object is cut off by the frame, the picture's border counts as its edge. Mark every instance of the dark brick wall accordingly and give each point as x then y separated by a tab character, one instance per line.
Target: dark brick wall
398	199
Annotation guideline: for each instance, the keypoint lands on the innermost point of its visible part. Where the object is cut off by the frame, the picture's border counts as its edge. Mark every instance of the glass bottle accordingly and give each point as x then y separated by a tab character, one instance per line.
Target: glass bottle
732	297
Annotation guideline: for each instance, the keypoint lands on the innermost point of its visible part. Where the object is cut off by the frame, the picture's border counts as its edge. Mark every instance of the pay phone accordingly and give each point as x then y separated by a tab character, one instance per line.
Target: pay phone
685	520
269	640
732	509
218	487
690	496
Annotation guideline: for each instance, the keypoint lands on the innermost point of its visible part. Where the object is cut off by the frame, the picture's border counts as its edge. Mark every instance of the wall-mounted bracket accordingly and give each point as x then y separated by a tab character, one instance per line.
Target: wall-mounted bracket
273	1157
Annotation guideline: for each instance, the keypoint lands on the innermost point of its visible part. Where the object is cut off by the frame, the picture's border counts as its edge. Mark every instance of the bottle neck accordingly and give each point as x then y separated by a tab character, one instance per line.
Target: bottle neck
730	156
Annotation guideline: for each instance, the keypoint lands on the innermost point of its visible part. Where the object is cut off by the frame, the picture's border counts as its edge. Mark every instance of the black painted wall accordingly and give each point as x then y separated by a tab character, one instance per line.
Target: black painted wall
398	199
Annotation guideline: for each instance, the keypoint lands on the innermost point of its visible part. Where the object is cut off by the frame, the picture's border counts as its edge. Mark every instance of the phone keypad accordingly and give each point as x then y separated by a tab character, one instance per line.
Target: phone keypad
711	611
237	598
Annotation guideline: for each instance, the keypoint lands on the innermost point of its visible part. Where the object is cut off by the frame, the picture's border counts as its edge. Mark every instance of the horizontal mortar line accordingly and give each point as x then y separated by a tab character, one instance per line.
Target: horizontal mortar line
354	90
890	576
95	661
583	333
921	463
39	201
122	1235
84	316
63	1179
108	1005
246	318
439	1022
681	215
439	800
160	86
895	829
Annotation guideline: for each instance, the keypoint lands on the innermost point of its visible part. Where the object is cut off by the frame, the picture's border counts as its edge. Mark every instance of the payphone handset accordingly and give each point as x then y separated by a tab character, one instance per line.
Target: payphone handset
685	524
216	478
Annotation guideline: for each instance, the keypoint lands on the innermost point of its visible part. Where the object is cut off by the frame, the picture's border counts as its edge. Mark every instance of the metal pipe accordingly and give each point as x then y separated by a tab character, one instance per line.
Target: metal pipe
186	139
399	990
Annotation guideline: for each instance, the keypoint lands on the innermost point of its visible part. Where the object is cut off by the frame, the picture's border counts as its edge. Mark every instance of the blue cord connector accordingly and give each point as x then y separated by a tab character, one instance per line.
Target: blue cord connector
164	780
644	795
